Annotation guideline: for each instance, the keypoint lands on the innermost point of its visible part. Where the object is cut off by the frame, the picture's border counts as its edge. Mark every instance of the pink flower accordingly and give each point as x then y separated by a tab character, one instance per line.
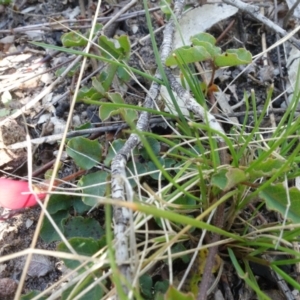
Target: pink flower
15	194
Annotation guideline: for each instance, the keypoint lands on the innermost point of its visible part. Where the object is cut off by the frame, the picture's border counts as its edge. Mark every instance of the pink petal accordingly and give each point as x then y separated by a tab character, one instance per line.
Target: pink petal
12	197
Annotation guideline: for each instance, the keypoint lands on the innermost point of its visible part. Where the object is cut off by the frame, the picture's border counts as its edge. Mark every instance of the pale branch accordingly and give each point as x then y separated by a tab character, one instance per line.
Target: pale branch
192	105
254	11
121	214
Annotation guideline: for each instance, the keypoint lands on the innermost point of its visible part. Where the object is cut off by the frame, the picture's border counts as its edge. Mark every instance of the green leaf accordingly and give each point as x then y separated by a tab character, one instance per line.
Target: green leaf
146	286
115	98
161	286
155	148
129	115
5	2
211	49
125	45
59	202
83	246
159	296
86	153
73	39
83	227
169	162
109	48
105	112
111	73
98	86
268	167
64	202
86	93
123	74
152	168
136	168
34	293
93	184
102	242
166	9
48	233
79	206
226	179
94	294
179	247
113	149
185	201
87	125
187	54
172	294
204	37
276	199
233	57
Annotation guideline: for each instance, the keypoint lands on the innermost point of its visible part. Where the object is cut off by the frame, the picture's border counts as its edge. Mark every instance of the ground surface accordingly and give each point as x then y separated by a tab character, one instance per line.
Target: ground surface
27	70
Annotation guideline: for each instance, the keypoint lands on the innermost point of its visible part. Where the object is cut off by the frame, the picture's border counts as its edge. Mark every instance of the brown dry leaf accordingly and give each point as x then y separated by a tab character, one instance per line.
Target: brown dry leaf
266	74
39	266
6	42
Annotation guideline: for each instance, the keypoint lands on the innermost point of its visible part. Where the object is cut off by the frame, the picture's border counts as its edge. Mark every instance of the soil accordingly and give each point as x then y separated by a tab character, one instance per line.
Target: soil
27	70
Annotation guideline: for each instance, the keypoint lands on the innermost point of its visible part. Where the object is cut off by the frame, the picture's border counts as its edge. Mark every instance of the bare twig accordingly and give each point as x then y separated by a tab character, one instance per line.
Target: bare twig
52	138
266	65
52	26
290	13
280	63
251	112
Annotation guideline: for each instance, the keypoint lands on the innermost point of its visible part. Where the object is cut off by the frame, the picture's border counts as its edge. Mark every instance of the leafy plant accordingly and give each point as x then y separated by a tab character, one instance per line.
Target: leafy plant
117	49
5	2
203	48
180	180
